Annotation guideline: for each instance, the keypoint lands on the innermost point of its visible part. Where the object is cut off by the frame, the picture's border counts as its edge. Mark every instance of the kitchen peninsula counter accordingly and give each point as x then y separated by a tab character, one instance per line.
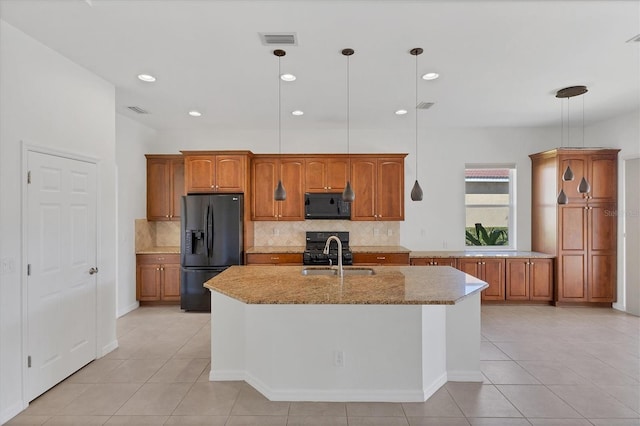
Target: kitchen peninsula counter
403	285
396	336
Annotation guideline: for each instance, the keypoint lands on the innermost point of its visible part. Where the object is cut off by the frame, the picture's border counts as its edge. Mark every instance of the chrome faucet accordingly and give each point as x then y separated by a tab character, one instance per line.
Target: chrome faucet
326	251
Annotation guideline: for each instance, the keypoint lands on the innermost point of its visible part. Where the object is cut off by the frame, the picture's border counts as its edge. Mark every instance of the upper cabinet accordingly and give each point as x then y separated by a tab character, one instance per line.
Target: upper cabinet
265	173
378	183
165	186
598	168
326	174
207	172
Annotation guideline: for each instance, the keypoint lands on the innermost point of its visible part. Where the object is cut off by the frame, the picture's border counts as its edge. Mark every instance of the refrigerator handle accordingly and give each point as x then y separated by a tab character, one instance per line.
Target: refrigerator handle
209	229
206	230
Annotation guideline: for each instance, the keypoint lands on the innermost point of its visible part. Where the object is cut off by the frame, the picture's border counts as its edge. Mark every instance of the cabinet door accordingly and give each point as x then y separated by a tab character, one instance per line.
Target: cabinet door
363	182
177	187
493	274
158	189
337	174
420	261
263	184
390	190
517	279
470	266
292	175
200	173
170	285
541	279
315	172
444	261
602	244
603	178
572	253
230	172
148	282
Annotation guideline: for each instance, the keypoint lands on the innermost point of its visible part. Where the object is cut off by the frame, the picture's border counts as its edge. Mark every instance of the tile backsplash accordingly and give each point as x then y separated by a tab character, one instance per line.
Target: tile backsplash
293	233
167	234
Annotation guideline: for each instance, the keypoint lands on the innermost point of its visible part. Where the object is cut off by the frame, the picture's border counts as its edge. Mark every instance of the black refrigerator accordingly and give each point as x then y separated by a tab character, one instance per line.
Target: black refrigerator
210	242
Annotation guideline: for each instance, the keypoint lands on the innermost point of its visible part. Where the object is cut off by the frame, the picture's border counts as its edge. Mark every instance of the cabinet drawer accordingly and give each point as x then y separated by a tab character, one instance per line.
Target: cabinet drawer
157	259
274	258
381	258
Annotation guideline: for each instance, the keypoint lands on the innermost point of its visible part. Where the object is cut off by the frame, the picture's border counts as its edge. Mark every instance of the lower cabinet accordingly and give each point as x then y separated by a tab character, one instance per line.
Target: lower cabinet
434	261
274	258
158	277
489	270
529	279
377	259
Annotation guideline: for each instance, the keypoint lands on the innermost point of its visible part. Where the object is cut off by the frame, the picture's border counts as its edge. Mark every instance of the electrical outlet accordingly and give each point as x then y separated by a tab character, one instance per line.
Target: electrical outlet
376	232
423	232
276	231
338	358
389	232
445	245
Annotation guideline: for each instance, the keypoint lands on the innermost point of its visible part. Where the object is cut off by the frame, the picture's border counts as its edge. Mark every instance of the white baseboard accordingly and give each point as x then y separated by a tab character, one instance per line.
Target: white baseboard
227	376
465	376
124	311
12	411
108	348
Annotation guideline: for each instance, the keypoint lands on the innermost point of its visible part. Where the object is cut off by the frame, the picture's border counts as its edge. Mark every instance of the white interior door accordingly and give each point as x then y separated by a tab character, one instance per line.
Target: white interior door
632	235
61	252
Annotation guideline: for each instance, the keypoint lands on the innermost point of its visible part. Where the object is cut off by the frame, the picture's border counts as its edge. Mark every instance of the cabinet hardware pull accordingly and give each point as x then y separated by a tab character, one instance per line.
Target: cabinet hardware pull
166	215
381	257
160	258
435	263
157	269
275	258
213	186
328	187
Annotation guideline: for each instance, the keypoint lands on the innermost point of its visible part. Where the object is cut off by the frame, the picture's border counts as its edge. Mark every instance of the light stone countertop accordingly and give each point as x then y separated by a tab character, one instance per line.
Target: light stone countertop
505	254
159	250
396	285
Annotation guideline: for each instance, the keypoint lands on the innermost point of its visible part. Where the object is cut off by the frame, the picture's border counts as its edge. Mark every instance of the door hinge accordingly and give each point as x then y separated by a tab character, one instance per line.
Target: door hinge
28	269
29	361
29	176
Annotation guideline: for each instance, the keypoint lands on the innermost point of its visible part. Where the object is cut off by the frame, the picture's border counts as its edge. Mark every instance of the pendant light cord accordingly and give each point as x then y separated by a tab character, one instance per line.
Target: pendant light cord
279	110
415	108
583	121
348	109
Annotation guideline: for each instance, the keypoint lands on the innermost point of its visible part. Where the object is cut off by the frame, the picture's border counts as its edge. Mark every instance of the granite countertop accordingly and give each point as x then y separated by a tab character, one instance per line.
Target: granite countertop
505	254
396	285
159	250
275	249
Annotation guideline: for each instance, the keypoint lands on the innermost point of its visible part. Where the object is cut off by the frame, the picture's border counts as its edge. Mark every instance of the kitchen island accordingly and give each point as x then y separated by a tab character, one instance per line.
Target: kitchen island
397	335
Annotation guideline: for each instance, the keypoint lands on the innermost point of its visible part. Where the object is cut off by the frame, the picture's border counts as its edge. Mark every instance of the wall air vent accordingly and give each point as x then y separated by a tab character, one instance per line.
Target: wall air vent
425	105
138	110
279	39
635	39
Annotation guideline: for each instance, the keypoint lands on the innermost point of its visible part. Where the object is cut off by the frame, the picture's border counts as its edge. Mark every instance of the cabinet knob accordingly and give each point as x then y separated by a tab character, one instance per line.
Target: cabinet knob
328	187
435	263
157	269
166	215
213	186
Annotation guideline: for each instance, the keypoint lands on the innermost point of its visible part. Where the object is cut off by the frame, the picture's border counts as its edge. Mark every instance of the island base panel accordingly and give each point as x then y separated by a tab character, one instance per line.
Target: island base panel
395	353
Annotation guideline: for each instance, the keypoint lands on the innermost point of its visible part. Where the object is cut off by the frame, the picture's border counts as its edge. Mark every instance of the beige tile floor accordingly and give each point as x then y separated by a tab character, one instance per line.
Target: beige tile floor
543	366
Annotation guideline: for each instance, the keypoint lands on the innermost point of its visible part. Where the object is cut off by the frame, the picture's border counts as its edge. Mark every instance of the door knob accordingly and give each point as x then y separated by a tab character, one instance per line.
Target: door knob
93	271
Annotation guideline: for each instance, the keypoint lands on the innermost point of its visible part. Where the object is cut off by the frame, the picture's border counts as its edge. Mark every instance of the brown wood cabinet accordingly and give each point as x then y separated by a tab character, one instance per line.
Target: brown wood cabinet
582	234
208	172
378	183
376	259
165	186
326	174
434	261
265	172
274	258
487	269
158	277
529	279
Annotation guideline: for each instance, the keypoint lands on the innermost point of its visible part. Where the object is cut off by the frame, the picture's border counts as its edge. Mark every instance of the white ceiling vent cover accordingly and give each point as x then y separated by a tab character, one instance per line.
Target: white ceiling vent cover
279	39
425	105
138	110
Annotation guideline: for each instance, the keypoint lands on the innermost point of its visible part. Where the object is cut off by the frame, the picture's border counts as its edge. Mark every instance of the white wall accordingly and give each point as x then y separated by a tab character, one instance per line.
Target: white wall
133	140
48	101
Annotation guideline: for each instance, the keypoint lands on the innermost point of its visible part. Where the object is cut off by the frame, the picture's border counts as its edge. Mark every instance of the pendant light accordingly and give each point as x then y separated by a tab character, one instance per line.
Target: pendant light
416	191
567	176
348	195
279	194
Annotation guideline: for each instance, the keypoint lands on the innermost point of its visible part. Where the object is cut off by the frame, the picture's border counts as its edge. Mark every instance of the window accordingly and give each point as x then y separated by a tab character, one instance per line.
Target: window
490	207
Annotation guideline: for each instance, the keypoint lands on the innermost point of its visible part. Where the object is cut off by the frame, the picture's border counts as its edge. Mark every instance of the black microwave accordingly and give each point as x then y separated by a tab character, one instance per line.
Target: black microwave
326	206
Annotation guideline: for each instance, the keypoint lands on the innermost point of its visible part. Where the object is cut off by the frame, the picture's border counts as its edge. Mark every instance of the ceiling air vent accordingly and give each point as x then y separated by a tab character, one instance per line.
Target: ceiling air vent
280	39
635	39
425	105
138	110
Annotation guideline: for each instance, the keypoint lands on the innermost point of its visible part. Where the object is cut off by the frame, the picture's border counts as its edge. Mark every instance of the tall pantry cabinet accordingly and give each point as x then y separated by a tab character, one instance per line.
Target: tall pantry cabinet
582	234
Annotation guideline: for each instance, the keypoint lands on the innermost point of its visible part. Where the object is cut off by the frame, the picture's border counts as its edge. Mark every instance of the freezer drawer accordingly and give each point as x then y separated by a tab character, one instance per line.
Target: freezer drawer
193	295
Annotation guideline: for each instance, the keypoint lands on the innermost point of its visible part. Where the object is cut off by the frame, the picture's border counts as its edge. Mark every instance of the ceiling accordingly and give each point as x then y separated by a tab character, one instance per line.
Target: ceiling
500	62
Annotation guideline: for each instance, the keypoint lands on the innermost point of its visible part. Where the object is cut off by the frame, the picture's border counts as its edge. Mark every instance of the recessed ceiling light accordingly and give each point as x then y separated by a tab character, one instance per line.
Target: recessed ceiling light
195	113
297	112
287	77
401	112
430	76
146	77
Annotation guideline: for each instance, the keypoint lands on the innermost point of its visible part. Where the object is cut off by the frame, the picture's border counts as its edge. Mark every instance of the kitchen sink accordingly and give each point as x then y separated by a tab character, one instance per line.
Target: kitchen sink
334	272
